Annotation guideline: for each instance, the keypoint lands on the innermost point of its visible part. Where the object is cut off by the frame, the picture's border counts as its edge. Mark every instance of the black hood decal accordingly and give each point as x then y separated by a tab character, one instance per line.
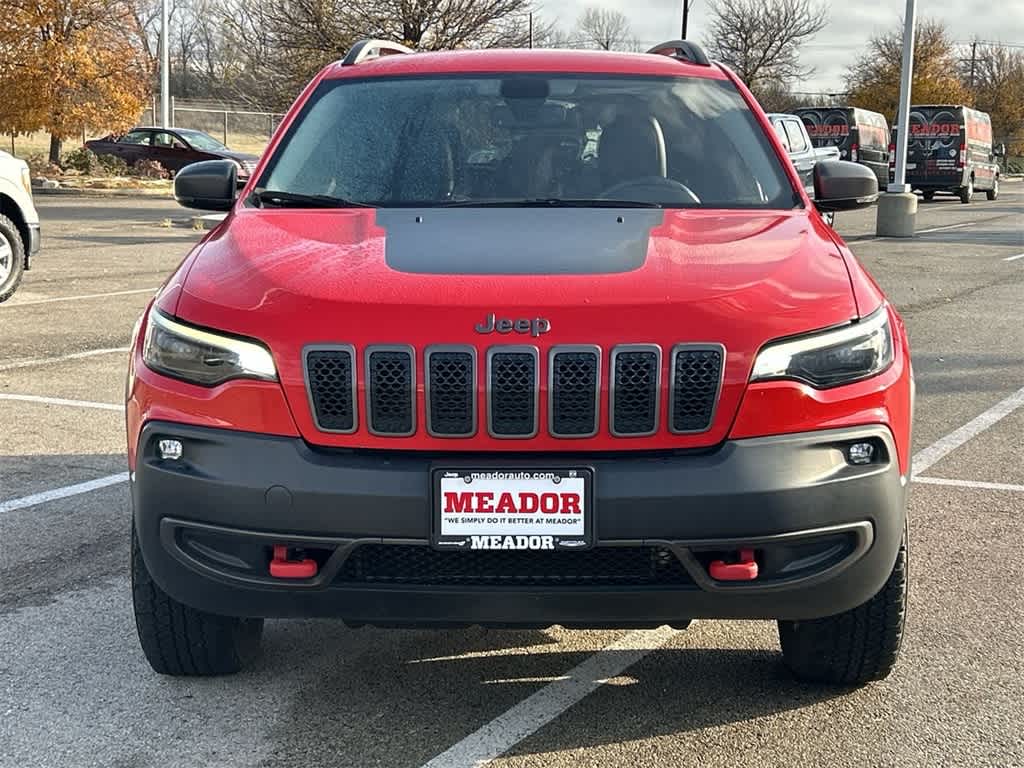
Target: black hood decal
517	241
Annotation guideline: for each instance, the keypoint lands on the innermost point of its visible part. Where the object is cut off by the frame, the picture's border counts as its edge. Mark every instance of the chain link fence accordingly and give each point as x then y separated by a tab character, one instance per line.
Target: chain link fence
238	127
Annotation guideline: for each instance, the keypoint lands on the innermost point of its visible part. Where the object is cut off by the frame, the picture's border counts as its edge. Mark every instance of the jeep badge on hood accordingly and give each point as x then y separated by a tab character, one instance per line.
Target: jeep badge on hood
534	327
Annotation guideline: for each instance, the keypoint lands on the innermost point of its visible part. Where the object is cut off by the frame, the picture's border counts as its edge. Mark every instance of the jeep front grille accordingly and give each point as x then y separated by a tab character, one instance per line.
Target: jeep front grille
695	378
451	391
573	391
636	384
331	382
576	376
512	385
391	390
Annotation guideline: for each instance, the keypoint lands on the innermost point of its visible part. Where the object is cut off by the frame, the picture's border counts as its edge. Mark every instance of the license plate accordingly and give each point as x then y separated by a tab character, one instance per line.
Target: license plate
911	166
532	509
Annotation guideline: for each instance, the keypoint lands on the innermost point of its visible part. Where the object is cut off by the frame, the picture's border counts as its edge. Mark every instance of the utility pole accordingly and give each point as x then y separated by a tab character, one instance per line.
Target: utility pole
531	29
165	60
686	16
974	60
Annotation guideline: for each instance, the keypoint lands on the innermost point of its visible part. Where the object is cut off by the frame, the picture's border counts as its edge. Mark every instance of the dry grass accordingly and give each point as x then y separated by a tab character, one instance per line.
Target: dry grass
115	182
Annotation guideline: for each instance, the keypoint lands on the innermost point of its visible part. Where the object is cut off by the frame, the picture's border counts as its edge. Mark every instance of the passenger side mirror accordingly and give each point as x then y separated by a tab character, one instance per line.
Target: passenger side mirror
999	150
209	186
843	186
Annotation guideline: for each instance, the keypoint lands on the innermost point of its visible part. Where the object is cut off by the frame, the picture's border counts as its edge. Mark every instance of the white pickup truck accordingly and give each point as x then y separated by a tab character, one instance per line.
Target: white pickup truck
19	223
802	152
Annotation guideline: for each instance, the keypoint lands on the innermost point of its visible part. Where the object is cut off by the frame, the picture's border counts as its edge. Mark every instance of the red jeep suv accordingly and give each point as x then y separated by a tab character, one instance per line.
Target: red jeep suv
522	338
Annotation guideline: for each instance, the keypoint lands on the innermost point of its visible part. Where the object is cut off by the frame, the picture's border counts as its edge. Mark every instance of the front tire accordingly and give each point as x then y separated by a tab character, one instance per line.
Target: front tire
12	258
993	193
855	647
967	193
183	642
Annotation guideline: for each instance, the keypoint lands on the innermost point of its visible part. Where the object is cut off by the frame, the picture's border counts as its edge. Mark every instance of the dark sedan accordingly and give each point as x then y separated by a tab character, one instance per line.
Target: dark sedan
173	148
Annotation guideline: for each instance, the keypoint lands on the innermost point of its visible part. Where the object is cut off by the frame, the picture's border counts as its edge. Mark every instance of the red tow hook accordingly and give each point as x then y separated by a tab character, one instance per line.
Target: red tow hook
744	570
283	568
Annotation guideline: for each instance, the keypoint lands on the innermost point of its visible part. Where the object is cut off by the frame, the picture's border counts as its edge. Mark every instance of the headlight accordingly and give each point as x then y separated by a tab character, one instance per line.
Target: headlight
203	357
831	358
26	180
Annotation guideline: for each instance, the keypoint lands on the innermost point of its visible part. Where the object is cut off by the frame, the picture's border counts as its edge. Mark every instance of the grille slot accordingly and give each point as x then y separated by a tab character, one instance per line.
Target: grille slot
576	381
331	382
451	391
573	391
696	380
390	389
635	385
512	382
420	565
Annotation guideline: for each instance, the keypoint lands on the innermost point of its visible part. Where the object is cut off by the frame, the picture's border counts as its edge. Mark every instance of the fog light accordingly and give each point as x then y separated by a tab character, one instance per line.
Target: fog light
170	449
861	453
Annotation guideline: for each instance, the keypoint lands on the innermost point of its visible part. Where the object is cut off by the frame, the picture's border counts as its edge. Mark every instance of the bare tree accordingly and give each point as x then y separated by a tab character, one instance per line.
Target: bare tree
605	29
441	24
873	79
997	87
761	39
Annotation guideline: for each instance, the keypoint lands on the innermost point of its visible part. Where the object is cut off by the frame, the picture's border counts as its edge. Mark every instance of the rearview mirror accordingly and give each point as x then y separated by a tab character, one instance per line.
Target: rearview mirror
209	186
843	186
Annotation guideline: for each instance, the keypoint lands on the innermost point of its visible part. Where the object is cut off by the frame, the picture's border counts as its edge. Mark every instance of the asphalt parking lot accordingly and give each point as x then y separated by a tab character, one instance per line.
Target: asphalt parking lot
75	689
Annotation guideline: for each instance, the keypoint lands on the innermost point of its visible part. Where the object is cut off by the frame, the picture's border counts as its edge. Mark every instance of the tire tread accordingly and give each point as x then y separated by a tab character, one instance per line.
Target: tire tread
855	647
181	641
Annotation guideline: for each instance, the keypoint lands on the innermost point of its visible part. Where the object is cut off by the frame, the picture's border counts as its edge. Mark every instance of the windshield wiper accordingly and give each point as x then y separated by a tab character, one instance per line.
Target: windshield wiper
545	202
276	199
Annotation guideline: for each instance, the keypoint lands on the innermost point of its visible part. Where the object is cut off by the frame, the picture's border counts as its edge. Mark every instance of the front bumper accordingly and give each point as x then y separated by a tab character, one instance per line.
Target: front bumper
827	532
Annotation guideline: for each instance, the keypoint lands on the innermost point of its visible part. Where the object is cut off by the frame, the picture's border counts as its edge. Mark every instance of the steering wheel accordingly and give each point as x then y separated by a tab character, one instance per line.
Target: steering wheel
651	189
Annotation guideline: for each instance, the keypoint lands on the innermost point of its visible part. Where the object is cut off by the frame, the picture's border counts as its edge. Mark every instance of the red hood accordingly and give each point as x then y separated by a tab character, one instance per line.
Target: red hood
735	277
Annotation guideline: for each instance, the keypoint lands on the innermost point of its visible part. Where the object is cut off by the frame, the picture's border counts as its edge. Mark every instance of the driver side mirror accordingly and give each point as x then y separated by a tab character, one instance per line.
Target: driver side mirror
208	186
999	150
843	186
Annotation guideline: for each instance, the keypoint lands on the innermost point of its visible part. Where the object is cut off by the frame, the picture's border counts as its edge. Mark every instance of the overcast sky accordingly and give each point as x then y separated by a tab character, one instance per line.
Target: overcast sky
851	23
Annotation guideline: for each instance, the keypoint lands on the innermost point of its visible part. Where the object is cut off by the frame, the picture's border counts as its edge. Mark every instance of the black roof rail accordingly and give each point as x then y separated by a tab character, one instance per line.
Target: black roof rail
372	49
682	49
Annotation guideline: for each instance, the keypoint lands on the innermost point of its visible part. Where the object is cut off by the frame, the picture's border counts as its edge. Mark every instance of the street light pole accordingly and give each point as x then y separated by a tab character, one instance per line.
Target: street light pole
686	16
897	209
903	116
165	59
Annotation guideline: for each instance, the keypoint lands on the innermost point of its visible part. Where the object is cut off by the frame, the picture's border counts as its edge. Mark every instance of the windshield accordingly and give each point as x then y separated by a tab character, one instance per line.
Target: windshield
200	140
529	139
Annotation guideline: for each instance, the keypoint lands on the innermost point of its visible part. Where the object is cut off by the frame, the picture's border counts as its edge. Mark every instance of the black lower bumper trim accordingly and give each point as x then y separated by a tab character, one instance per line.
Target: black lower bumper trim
825	534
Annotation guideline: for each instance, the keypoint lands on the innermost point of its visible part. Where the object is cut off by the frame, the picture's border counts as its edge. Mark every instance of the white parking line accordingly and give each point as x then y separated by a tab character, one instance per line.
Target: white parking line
62	493
1014	258
507	730
62	358
530	715
62	401
969	484
948	226
78	298
945	446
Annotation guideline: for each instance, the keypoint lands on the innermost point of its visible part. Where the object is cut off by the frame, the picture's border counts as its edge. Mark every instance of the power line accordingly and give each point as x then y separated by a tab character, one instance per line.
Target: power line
991	43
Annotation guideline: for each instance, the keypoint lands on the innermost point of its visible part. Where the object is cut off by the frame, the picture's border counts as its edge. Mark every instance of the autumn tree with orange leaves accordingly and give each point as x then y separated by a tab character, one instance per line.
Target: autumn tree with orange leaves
68	65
